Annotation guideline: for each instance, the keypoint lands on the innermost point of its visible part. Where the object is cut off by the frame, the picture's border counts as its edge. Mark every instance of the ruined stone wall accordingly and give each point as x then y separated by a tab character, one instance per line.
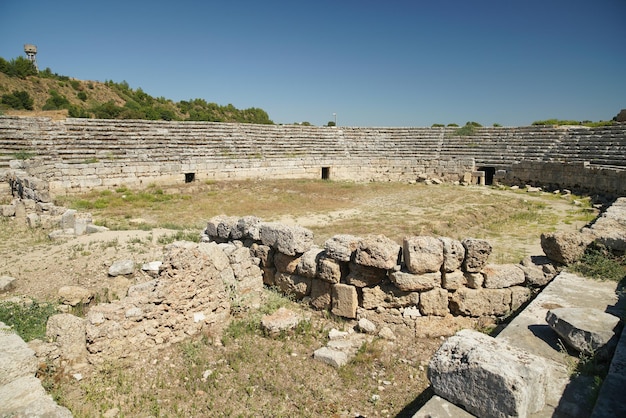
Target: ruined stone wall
351	275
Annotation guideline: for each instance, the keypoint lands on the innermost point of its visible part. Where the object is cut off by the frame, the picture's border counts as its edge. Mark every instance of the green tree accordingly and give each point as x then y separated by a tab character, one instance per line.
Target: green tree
56	101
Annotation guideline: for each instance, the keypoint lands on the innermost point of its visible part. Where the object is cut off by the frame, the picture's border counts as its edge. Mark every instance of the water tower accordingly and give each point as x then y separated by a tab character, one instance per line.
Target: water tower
31	53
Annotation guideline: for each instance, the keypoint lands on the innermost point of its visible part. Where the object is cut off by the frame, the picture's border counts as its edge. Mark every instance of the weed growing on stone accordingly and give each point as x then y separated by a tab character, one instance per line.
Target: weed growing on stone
27	318
599	263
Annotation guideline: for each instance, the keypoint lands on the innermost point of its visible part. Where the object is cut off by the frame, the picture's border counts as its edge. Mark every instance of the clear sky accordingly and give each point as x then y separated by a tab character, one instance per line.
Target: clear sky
373	63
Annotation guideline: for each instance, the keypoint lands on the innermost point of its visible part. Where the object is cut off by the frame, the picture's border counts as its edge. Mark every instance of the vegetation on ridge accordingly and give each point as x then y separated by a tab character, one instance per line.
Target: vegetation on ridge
23	88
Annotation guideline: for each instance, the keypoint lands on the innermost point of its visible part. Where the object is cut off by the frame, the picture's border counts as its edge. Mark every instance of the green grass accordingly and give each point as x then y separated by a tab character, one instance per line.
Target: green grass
599	263
27	320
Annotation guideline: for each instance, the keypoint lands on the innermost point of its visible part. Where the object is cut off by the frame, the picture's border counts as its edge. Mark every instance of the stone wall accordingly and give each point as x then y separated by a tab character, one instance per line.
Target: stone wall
424	276
80	154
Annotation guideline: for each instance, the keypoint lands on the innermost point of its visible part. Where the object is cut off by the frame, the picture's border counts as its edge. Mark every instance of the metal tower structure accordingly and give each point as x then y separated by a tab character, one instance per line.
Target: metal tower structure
31	53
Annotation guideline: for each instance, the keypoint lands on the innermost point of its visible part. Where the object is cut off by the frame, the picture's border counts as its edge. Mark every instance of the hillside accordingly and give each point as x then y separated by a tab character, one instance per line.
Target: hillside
31	93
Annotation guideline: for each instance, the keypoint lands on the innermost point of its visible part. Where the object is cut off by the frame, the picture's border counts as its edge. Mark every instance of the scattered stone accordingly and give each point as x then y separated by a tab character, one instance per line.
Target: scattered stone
7	283
152	268
470	365
122	268
587	330
281	320
387	334
67	219
74	295
334	358
538	270
366	326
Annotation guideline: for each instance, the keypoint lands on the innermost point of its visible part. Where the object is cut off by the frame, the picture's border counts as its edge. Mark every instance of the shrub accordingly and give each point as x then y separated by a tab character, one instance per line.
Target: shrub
56	101
599	263
28	320
82	95
18	100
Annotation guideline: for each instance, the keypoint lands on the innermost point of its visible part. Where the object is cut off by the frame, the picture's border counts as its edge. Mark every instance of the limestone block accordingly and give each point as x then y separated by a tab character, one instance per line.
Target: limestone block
281	320
334	358
74	295
290	240
453	254
477	251
434	302
67	219
519	296
330	270
361	276
499	276
81	222
152	268
7	283
474	280
7	210
538	270
320	294
341	247
286	263
453	280
410	282
344	300
16	358
220	227
26	397
610	227
20	210
307	266
587	330
388	296
122	267
264	253
422	254
480	302
33	220
377	251
292	284
488	377
68	333
565	247
247	228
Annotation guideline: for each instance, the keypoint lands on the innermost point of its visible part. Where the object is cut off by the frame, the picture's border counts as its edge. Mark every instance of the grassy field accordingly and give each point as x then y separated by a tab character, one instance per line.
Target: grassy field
253	374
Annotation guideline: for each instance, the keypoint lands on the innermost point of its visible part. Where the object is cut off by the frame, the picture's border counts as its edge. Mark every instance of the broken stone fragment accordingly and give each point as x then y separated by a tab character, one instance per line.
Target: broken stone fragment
587	330
281	320
7	283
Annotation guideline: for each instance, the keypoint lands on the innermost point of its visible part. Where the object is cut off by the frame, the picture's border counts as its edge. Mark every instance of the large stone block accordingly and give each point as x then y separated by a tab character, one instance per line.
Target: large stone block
480	302
330	270
292	284
488	377
388	296
286	263
341	247
68	333
290	240
361	276
499	276
410	282
453	254
565	247
320	294
345	300
307	266
434	302
377	251
477	251
422	254
16	358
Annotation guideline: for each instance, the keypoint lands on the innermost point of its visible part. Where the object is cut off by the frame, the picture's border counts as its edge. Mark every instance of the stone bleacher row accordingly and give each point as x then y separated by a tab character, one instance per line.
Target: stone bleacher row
132	141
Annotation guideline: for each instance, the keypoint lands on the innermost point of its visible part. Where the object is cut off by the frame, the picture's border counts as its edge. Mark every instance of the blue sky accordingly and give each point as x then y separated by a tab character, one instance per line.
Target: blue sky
373	63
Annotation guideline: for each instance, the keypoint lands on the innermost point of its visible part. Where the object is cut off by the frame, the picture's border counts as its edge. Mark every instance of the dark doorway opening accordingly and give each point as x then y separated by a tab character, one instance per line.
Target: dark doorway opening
489	173
189	177
325	173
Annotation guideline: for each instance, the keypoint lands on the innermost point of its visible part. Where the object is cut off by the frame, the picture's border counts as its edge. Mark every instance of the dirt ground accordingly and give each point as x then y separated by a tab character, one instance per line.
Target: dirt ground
256	375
